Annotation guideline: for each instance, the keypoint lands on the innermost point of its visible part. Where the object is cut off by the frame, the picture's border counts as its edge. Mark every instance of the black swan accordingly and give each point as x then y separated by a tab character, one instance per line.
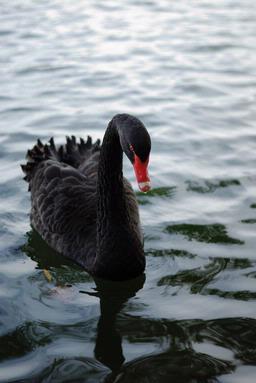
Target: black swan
81	204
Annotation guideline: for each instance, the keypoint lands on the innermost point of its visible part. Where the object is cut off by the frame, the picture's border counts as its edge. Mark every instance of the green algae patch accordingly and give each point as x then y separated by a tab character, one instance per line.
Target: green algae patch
249	220
170	253
167	191
210	187
213	233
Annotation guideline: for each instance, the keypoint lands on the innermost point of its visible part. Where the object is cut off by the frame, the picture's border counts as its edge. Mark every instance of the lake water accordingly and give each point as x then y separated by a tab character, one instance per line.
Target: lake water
188	70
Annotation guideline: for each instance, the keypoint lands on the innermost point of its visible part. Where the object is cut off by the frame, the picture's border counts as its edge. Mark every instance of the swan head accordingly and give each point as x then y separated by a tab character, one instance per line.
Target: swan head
136	143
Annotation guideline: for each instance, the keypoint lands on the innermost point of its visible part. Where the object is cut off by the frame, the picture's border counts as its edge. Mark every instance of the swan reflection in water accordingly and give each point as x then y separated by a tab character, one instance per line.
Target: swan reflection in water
113	296
178	362
175	358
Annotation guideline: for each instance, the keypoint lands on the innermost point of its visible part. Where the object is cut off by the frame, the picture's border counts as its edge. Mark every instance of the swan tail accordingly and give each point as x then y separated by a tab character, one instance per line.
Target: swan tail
34	156
72	153
75	153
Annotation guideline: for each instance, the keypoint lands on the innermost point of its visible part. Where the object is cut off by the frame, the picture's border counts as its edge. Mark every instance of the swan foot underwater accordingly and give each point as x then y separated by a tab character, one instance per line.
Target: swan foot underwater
81	204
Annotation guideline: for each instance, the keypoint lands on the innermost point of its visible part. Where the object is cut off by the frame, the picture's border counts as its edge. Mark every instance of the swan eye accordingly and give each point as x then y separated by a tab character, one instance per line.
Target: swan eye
131	148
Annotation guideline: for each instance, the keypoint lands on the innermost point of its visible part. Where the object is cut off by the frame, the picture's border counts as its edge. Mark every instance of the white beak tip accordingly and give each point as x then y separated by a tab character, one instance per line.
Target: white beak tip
144	186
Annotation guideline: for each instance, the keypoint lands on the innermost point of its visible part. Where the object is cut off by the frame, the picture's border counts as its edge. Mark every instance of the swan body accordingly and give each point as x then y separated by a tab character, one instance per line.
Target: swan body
83	207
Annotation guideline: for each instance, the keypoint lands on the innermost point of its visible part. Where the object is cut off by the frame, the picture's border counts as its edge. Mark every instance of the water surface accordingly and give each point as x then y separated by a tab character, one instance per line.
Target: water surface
187	69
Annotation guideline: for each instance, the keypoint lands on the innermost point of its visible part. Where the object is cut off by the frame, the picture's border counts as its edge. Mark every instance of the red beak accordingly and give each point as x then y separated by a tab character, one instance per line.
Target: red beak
141	173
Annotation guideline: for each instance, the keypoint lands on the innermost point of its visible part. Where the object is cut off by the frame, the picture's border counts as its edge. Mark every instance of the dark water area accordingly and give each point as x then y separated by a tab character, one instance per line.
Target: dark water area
188	71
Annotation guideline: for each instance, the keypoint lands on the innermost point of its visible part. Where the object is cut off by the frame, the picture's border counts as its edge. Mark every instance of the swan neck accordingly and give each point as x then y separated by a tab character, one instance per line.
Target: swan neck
119	252
110	174
111	209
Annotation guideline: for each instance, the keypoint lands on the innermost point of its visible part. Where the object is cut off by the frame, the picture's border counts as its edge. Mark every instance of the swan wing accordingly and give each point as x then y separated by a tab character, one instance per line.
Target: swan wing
64	209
